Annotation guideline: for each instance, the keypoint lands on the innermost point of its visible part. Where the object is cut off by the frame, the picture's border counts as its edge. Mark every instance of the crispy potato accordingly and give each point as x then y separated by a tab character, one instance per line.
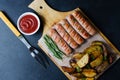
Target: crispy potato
73	63
89	73
68	69
105	52
77	55
78	75
86	79
94	50
95	54
97	61
90	79
83	61
97	43
102	67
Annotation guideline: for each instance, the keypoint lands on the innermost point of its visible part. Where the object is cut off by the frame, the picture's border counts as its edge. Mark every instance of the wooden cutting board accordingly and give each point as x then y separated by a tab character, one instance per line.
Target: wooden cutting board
48	15
48	18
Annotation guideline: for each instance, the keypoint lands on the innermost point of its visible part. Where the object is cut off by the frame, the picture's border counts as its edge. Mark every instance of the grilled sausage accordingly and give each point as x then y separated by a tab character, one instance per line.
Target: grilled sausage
59	41
84	22
75	24
70	41
71	31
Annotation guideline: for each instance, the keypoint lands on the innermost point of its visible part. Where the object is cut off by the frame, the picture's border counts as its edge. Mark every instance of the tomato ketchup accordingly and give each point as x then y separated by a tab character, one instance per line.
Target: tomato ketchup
28	23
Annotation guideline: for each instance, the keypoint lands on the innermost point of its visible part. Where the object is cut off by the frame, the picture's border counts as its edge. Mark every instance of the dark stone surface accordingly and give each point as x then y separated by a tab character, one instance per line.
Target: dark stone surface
17	64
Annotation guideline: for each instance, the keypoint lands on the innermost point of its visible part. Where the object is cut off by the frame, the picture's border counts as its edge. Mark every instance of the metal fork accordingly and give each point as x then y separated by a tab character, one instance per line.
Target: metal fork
34	52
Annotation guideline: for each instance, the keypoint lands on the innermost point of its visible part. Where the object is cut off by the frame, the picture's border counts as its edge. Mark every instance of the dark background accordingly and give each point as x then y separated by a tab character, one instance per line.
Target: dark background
17	64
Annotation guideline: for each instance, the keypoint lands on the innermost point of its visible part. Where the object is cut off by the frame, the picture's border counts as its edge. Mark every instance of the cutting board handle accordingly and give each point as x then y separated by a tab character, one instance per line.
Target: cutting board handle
48	15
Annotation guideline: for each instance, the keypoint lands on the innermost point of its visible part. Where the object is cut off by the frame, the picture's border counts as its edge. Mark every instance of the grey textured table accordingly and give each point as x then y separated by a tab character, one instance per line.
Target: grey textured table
17	64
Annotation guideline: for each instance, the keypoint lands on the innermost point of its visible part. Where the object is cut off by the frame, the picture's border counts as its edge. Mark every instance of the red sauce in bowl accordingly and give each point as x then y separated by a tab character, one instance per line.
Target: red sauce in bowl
28	23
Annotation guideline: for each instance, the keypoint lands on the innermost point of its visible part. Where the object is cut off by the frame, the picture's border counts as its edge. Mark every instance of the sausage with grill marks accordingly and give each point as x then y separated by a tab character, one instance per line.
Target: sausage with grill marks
84	22
59	41
75	24
71	31
69	40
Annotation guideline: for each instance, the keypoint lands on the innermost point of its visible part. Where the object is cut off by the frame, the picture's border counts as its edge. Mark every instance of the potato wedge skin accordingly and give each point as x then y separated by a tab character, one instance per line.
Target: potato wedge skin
90	79
73	63
86	79
97	61
68	69
78	75
102	66
77	55
96	53
97	43
83	61
94	50
89	73
92	61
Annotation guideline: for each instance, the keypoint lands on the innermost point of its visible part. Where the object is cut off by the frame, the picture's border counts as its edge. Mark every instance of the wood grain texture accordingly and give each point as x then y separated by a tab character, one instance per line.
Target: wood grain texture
48	15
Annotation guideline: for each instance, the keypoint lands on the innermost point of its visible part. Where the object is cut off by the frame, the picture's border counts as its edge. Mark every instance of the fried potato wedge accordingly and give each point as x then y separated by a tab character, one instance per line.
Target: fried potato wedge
73	63
86	79
77	55
89	73
68	69
102	67
90	79
97	43
94	50
97	61
78	75
83	61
